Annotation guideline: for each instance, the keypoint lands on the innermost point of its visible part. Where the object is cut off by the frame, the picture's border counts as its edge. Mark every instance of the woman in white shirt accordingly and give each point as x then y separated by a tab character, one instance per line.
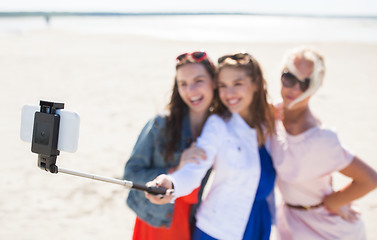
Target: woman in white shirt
305	155
233	143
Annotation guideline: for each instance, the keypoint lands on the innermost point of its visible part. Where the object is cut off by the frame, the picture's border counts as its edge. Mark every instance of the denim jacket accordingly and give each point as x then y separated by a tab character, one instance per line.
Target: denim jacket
147	162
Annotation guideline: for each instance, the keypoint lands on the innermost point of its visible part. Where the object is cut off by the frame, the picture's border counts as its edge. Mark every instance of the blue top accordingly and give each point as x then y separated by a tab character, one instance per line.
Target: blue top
260	219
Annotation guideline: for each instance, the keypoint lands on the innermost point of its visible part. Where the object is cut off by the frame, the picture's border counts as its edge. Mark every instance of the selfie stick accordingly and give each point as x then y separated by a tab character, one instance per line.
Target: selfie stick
129	184
45	142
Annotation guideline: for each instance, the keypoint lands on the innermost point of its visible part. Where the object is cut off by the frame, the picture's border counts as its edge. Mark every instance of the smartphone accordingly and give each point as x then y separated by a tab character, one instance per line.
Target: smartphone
68	129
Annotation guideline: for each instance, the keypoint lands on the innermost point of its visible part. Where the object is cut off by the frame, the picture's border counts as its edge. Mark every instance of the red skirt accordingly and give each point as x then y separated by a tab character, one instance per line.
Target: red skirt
180	227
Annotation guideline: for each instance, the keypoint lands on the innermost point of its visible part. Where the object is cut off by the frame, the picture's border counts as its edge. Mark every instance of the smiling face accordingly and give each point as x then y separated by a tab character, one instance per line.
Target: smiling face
236	90
195	86
302	68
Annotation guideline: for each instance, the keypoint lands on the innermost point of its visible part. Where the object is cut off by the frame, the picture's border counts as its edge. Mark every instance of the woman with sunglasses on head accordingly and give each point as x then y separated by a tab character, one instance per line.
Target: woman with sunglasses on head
160	145
232	141
305	155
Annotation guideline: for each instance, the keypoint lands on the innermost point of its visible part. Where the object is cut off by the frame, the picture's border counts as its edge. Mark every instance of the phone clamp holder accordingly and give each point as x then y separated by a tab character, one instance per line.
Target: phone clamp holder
45	144
46	134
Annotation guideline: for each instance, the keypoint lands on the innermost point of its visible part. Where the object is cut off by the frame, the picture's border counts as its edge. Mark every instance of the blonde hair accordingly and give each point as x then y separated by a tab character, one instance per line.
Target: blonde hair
316	77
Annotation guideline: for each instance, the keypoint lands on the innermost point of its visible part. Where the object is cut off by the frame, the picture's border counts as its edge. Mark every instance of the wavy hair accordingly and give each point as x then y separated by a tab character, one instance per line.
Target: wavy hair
177	109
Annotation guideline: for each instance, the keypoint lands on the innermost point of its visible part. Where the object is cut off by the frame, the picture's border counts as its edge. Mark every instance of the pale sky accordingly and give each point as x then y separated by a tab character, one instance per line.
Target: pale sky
345	7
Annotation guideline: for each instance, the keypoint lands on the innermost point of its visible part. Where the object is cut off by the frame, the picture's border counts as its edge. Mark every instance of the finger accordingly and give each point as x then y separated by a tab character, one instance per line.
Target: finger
353	215
190	161
170	192
203	154
348	214
150	196
346	219
163	181
198	154
156	199
194	161
354	211
150	184
161	199
353	218
344	216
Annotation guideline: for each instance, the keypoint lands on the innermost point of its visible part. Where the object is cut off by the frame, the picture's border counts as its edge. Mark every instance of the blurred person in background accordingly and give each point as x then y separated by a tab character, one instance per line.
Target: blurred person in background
305	154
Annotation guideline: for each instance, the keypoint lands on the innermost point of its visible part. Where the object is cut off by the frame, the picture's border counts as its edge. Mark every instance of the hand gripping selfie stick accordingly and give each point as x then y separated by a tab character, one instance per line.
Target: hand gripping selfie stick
45	142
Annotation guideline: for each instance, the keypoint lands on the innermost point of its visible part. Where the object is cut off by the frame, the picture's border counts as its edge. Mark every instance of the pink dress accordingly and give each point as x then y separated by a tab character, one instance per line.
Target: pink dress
304	164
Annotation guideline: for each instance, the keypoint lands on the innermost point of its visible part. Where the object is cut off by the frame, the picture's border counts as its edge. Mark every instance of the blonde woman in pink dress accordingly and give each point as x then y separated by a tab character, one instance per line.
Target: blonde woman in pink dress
305	154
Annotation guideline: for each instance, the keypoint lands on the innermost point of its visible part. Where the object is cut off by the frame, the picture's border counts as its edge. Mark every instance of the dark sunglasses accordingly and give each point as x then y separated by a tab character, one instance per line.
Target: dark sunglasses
241	58
289	80
195	56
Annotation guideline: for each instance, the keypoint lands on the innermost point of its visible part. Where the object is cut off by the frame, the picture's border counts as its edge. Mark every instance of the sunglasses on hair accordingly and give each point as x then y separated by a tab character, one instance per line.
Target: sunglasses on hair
241	58
289	80
195	56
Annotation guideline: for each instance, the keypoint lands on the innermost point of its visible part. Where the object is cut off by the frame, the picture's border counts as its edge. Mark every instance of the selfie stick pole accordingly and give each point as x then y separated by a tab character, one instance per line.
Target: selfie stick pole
95	177
129	184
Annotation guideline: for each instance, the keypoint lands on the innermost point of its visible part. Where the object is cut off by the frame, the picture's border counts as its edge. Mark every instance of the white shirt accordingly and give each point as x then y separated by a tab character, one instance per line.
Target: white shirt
232	148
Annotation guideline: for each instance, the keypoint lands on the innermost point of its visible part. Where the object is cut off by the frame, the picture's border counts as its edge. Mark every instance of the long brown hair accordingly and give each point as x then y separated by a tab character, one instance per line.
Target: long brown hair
262	113
178	109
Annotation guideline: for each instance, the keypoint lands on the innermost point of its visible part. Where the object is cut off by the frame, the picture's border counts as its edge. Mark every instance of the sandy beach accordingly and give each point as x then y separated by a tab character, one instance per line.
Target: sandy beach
116	82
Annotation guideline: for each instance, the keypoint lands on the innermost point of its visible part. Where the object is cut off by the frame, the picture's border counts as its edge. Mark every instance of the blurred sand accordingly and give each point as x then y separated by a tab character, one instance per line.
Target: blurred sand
116	82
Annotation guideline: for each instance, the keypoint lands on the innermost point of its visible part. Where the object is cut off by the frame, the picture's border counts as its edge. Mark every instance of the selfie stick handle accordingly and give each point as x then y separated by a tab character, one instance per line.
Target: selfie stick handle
129	184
